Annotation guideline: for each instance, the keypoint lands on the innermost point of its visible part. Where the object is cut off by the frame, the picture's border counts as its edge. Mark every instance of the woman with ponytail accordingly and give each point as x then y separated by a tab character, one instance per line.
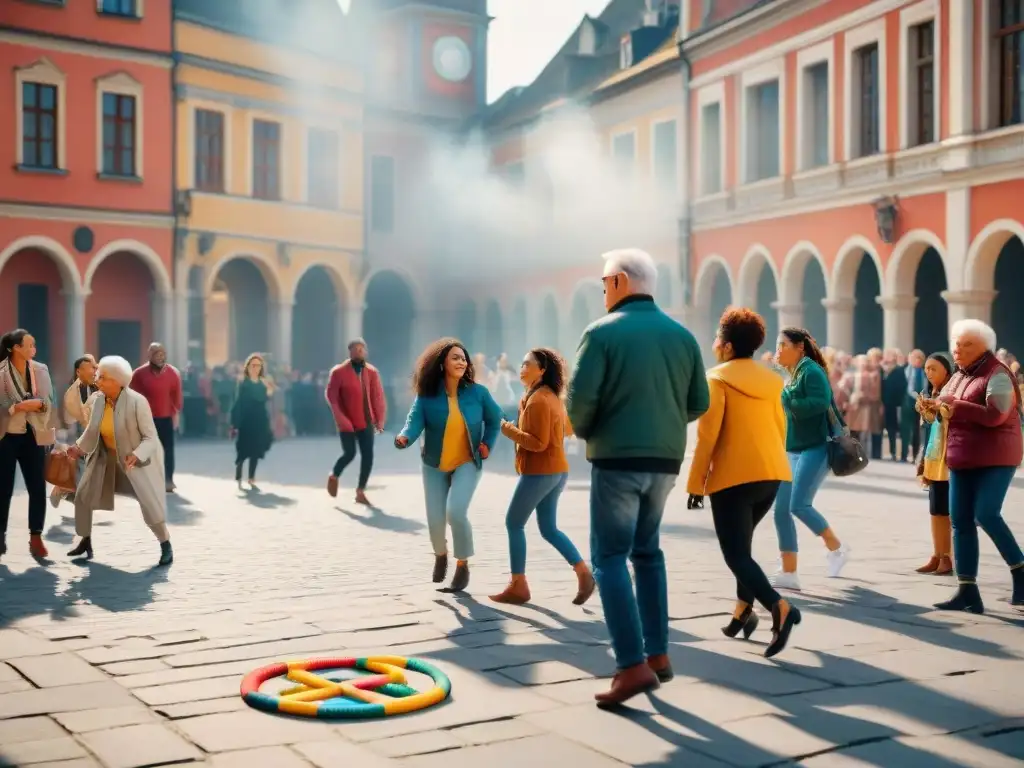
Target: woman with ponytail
807	401
26	430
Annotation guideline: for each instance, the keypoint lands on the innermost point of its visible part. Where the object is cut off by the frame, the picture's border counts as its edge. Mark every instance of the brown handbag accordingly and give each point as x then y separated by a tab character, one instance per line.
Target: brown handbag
61	470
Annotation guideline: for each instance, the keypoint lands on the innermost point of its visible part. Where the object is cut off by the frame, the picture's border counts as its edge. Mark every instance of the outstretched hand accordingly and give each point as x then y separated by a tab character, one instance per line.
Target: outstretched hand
695	502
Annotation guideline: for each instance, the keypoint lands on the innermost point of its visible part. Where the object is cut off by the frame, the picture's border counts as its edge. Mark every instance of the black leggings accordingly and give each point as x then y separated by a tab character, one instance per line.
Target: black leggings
349	440
252	468
938	499
736	512
22	450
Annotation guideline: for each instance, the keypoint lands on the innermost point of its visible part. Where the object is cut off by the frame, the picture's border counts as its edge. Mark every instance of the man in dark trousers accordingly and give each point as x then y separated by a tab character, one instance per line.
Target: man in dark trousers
356	397
894	391
160	384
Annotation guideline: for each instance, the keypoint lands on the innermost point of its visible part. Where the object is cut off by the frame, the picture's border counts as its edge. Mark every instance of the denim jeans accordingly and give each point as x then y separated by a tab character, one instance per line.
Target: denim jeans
796	498
625	521
976	499
448	495
538	492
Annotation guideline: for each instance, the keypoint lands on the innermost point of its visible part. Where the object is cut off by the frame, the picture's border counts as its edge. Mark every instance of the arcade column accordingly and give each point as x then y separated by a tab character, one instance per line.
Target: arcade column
281	332
352	328
898	321
839	319
178	341
968	305
74	301
790	316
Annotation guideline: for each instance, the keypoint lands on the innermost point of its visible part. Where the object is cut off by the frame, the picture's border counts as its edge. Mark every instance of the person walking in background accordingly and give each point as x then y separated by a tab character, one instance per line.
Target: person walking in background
910	419
250	419
356	397
459	422
894	395
123	458
77	410
739	462
932	468
160	383
638	381
984	447
26	431
543	472
864	408
807	402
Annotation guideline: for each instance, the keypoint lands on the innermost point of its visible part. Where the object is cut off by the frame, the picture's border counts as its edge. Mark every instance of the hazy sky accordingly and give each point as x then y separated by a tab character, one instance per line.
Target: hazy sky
525	34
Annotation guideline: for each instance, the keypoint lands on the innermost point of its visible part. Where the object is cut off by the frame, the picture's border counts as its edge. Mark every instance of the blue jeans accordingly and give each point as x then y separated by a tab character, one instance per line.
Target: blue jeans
976	499
625	520
448	495
538	492
795	499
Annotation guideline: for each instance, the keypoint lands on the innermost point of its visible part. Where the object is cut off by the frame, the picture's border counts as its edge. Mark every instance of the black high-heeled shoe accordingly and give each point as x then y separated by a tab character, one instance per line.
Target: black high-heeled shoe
747	622
84	548
781	630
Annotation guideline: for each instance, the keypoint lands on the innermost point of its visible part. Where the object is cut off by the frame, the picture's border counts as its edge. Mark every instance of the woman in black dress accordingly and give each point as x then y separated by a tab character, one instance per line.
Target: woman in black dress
250	419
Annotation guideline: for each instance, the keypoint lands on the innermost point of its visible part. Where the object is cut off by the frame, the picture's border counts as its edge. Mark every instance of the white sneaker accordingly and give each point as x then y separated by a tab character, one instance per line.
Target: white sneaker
782	580
835	561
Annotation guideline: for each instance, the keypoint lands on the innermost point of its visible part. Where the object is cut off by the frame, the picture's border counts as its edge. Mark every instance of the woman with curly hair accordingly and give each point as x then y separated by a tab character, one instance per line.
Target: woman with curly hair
459	421
740	461
543	472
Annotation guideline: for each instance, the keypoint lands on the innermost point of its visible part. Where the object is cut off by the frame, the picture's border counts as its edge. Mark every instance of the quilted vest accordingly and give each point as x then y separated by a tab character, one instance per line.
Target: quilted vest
970	445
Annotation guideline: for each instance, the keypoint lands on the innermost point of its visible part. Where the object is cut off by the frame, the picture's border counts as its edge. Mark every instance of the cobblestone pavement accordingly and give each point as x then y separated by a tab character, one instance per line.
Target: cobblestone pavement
115	663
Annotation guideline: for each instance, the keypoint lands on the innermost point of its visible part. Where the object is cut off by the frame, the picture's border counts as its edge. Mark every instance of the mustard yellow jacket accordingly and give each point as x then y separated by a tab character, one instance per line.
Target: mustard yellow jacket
742	437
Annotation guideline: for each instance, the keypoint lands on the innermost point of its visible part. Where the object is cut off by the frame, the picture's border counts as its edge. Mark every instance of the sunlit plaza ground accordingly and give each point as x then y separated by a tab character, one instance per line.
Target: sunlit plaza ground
115	663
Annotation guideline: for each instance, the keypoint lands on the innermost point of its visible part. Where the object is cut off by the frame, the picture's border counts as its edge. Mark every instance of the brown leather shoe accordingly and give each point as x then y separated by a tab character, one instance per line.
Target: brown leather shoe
332	486
945	566
361	498
440	568
661	666
931	566
626	684
516	593
585	588
36	546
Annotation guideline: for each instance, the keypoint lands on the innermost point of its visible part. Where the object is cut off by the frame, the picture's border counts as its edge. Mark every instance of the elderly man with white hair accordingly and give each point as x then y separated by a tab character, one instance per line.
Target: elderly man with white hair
981	406
123	457
638	381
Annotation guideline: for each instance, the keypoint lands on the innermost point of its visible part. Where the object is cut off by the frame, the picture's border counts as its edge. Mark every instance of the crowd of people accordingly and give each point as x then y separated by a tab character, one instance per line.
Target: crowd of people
765	442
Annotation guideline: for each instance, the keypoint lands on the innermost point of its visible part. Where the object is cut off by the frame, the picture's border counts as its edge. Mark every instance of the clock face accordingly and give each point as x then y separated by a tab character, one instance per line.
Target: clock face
452	59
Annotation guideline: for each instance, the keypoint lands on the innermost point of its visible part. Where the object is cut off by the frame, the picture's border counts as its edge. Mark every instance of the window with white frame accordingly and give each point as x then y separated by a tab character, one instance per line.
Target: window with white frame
1007	24
665	155
711	148
762	131
817	125
922	114
266	160
119	117
41	117
866	102
209	150
624	152
128	8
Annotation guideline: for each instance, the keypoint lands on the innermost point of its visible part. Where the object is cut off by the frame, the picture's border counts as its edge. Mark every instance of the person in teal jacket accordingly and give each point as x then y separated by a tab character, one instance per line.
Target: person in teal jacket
459	421
807	401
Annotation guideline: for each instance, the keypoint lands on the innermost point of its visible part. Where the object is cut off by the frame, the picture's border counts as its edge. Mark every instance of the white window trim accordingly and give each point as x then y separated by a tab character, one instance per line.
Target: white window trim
304	159
283	165
824	52
636	147
772	70
190	137
44	72
123	84
139	10
873	32
706	96
652	160
927	10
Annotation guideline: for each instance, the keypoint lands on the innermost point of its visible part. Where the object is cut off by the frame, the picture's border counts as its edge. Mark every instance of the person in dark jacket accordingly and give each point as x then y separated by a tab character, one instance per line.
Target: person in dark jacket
894	392
250	420
910	419
638	381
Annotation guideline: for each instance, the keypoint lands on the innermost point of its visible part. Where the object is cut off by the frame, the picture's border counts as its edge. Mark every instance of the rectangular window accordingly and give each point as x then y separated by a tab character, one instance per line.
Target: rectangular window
266	160
711	151
39	125
666	155
817	127
1010	38
322	168
869	101
624	152
209	150
119	7
382	193
763	131
118	134
922	46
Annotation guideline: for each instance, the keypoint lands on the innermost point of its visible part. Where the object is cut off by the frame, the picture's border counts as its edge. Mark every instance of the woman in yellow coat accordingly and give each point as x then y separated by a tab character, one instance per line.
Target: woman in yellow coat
740	461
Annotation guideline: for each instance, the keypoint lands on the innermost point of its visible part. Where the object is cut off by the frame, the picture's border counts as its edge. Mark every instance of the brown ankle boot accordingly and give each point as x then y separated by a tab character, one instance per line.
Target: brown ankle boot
944	539
661	666
945	566
626	684
516	593
586	585
930	566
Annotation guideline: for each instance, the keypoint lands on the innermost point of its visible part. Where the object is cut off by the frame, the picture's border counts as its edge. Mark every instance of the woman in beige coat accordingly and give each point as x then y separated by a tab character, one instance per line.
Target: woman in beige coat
76	412
124	458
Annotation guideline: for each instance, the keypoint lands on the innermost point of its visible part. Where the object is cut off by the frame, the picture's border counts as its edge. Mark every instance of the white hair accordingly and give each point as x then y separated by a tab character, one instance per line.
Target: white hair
116	368
636	264
970	327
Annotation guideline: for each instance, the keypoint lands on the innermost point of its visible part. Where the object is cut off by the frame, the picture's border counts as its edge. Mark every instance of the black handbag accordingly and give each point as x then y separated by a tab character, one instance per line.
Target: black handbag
846	456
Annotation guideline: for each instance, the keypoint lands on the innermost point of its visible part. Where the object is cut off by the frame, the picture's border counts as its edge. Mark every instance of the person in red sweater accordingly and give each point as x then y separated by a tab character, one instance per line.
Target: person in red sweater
356	396
160	384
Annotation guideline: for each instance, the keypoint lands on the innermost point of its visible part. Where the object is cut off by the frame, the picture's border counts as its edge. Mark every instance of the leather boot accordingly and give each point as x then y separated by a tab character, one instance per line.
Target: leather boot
944	530
586	584
626	684
661	666
516	593
36	546
931	566
1018	585
966	598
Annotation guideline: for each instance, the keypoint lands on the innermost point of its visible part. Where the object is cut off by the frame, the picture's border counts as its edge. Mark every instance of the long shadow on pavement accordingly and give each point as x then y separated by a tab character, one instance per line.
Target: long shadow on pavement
382	521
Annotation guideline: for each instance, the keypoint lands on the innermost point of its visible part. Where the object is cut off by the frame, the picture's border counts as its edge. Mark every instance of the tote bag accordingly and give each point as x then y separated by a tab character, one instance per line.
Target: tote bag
846	456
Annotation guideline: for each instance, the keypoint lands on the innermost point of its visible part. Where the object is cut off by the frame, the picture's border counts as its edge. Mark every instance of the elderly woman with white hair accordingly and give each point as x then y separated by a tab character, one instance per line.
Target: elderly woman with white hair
124	457
981	406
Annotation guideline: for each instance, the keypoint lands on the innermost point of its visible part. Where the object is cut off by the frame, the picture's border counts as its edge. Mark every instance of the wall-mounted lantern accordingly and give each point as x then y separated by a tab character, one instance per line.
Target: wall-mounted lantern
886	213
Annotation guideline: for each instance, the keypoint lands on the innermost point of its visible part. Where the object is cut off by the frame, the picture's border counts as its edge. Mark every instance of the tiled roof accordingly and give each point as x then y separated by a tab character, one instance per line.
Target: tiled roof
718	11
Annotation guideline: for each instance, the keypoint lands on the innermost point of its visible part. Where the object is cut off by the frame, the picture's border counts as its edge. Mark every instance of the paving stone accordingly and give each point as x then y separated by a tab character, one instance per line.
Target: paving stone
494	731
71	698
416	744
29	729
57	670
15	644
139	745
13	686
248	729
536	750
102	719
544	673
920	752
265	757
8	673
205	707
46	751
196	690
145	666
338	753
83	762
715	703
178	638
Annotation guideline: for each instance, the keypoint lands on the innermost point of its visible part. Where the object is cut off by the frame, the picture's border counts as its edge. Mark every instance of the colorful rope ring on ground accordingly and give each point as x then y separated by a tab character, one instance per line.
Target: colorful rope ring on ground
337	695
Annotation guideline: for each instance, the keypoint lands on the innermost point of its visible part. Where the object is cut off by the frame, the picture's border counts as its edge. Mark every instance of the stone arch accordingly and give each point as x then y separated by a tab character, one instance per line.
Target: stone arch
157	268
242	293
339	280
707	276
995	273
847	263
494	329
65	262
906	258
804	284
262	262
794	271
388	300
318	300
858	277
587	305
751	269
983	255
415	290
